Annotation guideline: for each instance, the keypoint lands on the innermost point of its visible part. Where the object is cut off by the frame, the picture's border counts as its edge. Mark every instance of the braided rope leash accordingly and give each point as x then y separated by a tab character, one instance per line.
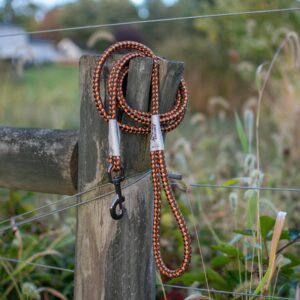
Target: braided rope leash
146	123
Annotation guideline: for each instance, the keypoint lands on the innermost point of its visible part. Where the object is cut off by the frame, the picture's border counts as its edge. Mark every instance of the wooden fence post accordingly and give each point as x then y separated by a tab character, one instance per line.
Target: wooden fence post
114	259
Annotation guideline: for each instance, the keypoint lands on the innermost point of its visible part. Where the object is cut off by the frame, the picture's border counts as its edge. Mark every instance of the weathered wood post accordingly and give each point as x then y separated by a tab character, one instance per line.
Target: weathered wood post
39	159
114	259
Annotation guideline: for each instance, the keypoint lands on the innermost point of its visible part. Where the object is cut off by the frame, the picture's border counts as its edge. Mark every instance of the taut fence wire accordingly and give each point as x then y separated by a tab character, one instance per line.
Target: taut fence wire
141	176
216	15
213	291
239	187
15	260
195	289
165	285
62	200
32	219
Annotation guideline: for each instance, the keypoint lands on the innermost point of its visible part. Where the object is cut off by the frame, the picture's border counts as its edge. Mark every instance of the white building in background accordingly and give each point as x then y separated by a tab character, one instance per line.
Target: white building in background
33	50
43	51
11	45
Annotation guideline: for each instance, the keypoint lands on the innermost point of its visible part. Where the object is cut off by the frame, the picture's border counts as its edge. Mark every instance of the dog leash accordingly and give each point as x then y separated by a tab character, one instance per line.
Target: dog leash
151	123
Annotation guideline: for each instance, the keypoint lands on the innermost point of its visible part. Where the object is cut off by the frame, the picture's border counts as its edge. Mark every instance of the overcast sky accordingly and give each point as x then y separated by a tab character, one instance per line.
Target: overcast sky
53	3
56	2
47	3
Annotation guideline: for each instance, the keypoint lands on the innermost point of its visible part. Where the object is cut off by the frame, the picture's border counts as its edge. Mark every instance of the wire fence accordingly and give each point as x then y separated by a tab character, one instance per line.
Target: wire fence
63	200
70	202
213	291
132	181
75	202
208	16
22	261
164	285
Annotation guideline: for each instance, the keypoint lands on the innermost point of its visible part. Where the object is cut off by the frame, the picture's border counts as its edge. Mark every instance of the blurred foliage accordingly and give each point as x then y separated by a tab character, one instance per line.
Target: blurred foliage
216	143
49	241
47	96
220	53
23	14
94	12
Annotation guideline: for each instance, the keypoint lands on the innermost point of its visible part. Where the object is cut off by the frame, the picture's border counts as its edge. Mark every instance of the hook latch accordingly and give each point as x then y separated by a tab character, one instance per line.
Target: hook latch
117	209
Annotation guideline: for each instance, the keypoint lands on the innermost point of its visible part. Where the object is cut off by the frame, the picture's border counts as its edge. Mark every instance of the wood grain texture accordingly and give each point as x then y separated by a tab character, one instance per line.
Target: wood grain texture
114	259
40	160
170	73
137	95
107	250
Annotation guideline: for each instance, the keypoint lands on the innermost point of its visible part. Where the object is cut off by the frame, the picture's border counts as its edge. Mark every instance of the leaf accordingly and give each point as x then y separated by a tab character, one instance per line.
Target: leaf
241	133
13	280
187	278
235	239
285	235
265	282
231	182
246	232
228	249
259	77
217	280
290	234
261	284
43	276
295	260
294	233
266	225
220	261
252	209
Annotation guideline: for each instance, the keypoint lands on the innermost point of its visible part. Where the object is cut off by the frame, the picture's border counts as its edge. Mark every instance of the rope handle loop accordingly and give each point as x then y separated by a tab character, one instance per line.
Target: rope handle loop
152	123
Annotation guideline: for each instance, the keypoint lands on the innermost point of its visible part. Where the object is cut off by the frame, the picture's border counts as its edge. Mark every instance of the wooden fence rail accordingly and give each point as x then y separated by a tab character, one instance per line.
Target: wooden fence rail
114	259
40	160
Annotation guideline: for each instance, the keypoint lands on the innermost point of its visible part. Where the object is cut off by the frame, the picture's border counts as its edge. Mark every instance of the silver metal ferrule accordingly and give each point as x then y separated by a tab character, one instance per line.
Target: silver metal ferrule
114	137
156	139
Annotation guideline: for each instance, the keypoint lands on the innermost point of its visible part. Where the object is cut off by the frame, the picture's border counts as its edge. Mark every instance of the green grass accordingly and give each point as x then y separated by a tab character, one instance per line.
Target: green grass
47	96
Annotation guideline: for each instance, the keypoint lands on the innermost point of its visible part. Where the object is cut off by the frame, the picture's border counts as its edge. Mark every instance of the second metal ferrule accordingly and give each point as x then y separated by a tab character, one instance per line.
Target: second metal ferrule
114	138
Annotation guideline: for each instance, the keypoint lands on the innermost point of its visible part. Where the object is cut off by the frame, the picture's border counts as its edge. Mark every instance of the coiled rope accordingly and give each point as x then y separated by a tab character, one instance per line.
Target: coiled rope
146	123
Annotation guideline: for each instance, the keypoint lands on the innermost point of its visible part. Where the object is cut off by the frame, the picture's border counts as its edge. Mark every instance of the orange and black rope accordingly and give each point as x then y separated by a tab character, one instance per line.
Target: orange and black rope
168	121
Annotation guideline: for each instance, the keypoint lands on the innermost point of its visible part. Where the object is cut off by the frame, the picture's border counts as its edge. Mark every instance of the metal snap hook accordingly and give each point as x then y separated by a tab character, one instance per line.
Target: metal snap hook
116	209
117	178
